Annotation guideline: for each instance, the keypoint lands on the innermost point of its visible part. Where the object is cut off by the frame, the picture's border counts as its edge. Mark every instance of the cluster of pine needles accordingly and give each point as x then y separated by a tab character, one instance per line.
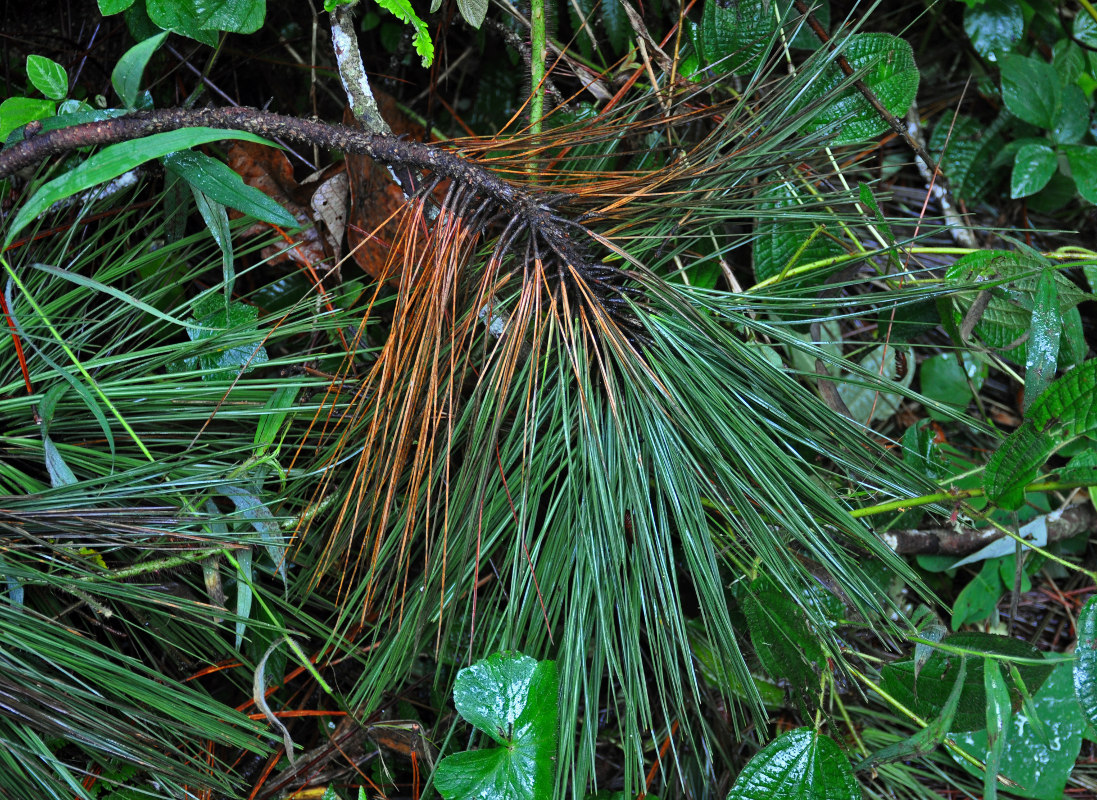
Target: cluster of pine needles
559	438
546	439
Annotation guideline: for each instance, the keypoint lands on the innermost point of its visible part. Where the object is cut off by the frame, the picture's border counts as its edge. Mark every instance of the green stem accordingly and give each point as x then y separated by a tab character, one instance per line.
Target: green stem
1061	254
537	64
895	704
950	496
1089	9
171	562
1006	659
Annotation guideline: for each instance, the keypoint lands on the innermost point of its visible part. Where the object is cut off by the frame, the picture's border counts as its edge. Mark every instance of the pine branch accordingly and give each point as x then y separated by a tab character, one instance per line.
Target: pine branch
532	214
38	146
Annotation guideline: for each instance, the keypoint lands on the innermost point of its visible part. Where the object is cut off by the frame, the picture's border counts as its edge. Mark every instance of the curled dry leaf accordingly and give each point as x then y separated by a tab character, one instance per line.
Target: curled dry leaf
329	203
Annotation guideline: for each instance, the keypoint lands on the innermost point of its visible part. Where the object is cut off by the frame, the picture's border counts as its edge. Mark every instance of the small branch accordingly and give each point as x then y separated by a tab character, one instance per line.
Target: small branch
953	221
387	149
363	105
962	540
533	214
956	497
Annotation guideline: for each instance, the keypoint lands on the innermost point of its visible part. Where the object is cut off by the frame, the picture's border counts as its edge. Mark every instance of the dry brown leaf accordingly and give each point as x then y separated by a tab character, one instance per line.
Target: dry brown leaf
330	203
375	198
268	170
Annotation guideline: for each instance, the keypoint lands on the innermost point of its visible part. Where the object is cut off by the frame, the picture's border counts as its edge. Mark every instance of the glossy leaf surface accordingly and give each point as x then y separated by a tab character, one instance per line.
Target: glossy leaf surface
513	699
886	65
797	764
1040	769
110	162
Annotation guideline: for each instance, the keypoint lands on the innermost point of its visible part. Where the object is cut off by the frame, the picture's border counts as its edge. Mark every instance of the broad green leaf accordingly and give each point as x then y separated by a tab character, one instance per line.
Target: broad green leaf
721	675
1059	192
73	106
615	21
979	599
734	36
965	152
1066	411
402	10
799	764
951	378
255	511
928	696
921	450
780	237
1085	667
233	16
1082	466
886	65
1015	464
1083	168
493	693
108	7
216	218
48	77
1045	333
928	738
199	18
112	161
1068	60
514	700
998	714
244	593
994	27
1031	90
1033	167
126	76
1003	325
216	180
59	471
867	402
1073	120
1085	29
211	321
473	11
275	411
16	112
1040	771
180	17
785	644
